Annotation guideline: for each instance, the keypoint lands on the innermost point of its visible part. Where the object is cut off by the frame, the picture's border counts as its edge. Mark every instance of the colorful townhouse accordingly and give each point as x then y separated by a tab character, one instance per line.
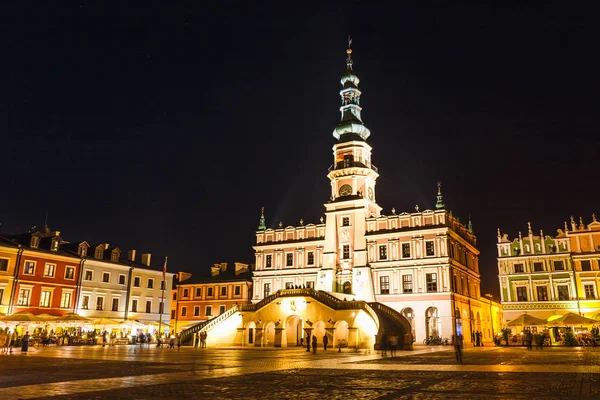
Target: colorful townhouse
10	254
198	298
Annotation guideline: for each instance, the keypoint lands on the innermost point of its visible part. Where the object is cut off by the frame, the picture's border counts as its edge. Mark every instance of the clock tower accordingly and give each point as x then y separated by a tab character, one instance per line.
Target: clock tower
353	177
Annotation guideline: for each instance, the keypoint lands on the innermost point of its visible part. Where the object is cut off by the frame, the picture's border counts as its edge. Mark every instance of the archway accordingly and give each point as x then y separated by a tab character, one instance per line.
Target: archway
409	314
432	322
269	334
478	322
293	330
347	287
319	331
341	334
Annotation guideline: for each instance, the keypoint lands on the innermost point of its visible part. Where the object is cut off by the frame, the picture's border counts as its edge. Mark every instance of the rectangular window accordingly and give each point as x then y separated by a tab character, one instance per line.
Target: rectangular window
563	292
586	265
69	272
136	281
198	292
224	291
590	294
148	306
186	292
65	300
222	309
184	311
121	279
89	275
115	304
383	252
542	293
289	259
29	268
431	282
237	291
538	266
134	305
196	311
311	258
174	296
100	303
346	252
384	284
429	248
209	292
45	298
49	270
310	284
150	283
208	311
407	286
3	264
267	289
405	250
559	266
1	295
268	261
162	285
105	277
519	269
346	221
23	297
85	302
173	314
521	293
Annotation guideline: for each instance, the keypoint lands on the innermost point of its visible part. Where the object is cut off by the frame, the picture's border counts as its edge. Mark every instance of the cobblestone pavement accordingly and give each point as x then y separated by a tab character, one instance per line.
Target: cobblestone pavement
132	372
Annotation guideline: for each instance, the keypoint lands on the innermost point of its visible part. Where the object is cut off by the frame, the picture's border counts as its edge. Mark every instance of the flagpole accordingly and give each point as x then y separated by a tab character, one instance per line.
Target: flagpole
162	300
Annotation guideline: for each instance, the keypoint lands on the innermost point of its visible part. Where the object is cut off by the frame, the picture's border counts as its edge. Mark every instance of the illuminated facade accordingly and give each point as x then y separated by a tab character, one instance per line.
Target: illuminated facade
10	254
423	264
201	298
546	276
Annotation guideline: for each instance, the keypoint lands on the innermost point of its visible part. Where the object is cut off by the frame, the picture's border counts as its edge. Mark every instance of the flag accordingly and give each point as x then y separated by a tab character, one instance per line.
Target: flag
165	269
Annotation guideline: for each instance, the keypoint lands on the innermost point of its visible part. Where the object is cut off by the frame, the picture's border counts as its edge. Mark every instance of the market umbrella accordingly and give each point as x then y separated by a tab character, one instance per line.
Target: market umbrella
72	317
526	320
571	319
106	321
46	317
21	316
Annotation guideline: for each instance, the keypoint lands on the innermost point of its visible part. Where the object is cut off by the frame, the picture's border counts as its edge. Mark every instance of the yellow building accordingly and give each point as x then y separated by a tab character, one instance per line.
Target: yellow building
9	258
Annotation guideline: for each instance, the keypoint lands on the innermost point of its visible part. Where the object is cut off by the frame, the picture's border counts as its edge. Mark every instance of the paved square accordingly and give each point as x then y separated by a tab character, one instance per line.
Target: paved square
132	372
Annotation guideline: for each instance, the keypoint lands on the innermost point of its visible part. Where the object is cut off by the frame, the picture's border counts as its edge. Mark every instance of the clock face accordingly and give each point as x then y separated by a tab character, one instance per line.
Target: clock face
370	193
345	190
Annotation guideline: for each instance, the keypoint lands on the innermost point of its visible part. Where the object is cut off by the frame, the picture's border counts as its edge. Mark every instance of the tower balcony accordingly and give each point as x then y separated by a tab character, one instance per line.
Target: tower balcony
351	164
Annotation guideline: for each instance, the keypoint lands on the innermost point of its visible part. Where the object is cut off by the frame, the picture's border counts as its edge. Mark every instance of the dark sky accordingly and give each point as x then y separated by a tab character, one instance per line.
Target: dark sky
166	128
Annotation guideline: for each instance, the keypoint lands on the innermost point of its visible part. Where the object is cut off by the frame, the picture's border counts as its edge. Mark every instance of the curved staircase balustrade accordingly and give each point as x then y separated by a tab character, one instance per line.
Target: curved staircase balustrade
188	333
391	314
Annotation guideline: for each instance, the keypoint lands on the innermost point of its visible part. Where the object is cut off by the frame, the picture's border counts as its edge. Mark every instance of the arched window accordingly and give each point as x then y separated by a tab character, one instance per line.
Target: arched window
409	314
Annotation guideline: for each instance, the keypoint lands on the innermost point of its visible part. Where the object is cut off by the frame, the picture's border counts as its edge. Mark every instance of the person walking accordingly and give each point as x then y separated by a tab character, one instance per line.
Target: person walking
458	345
308	342
3	339
314	344
12	341
383	344
325	341
393	342
25	345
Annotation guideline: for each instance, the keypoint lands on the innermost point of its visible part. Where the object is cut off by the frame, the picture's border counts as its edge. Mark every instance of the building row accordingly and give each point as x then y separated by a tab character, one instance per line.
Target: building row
43	274
545	275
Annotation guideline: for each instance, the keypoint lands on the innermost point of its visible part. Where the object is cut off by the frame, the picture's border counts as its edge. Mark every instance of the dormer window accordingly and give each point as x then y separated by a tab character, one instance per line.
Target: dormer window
82	250
114	257
54	245
35	241
99	253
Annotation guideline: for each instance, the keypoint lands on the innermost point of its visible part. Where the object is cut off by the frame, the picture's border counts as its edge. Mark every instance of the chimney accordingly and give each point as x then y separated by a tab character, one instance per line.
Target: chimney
131	255
223	267
240	268
146	259
106	246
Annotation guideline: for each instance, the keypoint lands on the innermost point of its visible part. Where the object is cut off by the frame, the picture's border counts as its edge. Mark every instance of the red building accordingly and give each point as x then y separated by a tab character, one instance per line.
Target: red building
47	276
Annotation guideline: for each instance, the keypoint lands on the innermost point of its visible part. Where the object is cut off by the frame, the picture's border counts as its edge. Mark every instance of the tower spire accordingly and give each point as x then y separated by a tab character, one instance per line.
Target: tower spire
261	223
351	126
440	202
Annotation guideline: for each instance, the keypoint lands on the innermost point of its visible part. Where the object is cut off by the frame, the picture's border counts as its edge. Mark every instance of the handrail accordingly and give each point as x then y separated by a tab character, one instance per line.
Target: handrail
185	334
389	312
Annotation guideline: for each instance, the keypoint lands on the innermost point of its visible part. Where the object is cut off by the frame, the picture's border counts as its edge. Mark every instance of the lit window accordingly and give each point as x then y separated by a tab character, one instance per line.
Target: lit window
49	270
23	297
384	284
65	300
519	268
45	298
85	302
267	289
407	286
431	282
429	248
100	303
89	275
29	268
69	272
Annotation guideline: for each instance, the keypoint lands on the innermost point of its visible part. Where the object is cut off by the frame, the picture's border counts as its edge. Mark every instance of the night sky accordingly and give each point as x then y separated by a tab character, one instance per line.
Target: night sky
166	128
